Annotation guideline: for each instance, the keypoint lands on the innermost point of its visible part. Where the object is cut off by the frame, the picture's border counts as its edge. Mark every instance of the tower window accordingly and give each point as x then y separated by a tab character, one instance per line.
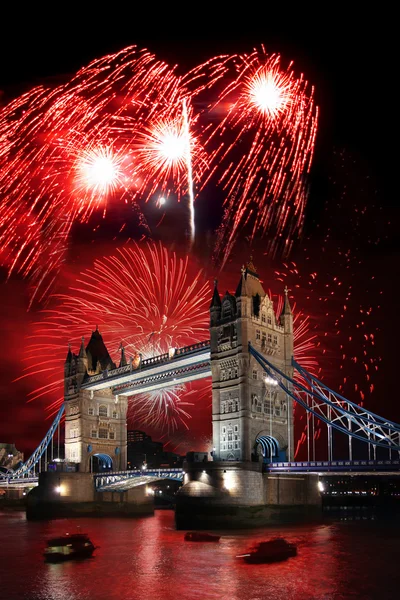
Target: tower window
115	414
103	412
275	339
269	320
263	319
226	309
112	435
254	373
103	434
258	334
94	433
267	407
91	411
269	338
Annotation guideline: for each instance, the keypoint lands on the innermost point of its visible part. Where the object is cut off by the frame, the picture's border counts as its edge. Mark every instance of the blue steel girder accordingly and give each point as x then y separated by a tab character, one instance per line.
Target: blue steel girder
40	450
332	409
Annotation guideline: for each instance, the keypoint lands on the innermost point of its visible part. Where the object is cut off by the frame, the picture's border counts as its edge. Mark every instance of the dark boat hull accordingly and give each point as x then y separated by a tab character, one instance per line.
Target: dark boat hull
55	557
259	559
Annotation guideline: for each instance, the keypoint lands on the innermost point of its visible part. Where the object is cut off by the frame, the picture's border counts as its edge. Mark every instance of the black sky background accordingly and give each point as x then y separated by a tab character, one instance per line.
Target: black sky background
350	57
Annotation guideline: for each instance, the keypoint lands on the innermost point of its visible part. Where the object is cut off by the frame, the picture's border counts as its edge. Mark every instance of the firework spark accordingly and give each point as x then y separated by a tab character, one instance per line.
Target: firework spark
162	409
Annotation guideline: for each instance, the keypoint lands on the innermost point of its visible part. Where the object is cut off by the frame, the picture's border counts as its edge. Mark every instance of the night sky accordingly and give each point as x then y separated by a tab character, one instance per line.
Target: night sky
351	228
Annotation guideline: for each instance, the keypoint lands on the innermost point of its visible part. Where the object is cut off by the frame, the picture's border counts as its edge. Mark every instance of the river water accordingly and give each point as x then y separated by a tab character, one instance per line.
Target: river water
148	559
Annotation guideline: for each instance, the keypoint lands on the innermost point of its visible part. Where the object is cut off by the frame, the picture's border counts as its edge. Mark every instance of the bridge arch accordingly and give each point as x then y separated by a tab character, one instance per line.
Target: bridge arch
270	448
100	462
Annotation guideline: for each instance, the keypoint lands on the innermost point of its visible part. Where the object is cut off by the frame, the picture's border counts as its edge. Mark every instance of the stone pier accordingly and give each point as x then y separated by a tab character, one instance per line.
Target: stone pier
219	495
61	495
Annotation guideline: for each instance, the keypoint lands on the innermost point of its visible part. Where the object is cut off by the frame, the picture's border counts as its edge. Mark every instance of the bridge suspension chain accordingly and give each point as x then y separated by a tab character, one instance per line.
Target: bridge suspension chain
333	409
29	466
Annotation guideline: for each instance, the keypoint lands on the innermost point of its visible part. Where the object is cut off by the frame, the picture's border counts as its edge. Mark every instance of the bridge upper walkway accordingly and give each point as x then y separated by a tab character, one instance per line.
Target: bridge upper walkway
178	366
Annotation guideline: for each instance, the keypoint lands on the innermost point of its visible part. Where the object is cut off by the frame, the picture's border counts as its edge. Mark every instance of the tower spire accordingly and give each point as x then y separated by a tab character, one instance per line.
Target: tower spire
286	310
123	362
69	354
216	300
82	350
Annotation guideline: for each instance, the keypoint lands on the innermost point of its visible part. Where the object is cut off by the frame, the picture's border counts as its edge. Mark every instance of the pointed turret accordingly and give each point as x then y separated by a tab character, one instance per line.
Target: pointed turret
215	306
123	362
249	284
69	354
82	360
98	353
286	310
68	362
286	320
216	300
82	350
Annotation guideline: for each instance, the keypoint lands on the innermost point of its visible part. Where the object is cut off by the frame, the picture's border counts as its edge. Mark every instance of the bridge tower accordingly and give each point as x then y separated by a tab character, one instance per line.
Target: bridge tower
95	421
251	414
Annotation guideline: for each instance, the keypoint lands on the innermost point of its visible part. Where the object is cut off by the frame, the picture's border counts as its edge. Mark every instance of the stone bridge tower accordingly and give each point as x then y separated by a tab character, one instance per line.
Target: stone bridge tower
250	414
95	422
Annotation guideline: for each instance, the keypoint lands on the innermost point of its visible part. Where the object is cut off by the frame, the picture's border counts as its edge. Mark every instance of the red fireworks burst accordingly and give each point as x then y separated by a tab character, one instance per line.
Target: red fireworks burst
109	130
64	150
262	146
148	299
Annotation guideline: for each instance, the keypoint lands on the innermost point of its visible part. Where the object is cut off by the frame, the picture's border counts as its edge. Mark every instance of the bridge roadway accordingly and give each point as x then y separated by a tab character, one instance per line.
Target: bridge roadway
123	480
175	367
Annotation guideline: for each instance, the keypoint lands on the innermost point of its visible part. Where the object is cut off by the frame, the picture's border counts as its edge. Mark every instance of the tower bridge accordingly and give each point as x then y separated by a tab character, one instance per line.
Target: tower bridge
255	383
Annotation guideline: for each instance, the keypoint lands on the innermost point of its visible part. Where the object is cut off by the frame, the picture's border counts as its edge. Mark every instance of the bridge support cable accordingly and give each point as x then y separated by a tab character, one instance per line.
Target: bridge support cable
323	390
30	465
333	409
377	426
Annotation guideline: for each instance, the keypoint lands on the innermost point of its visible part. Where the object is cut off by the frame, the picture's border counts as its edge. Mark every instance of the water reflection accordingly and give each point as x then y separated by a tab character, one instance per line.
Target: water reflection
147	558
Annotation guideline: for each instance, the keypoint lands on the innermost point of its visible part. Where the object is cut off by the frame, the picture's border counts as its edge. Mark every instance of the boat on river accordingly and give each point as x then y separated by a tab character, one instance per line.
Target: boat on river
274	550
199	536
68	547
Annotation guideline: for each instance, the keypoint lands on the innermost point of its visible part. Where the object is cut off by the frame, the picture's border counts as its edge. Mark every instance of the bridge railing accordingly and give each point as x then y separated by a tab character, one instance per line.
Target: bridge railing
102	479
334	465
20	481
147	363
